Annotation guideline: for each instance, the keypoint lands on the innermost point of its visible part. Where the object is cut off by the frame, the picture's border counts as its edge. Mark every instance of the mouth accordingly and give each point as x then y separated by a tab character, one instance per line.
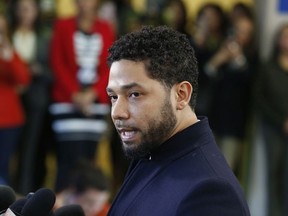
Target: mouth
127	135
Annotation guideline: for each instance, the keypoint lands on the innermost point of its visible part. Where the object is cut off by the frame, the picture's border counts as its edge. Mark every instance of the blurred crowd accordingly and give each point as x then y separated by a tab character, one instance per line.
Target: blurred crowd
53	76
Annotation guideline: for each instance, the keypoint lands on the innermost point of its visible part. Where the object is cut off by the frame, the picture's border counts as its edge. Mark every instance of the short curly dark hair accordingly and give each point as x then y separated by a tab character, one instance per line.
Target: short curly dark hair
167	54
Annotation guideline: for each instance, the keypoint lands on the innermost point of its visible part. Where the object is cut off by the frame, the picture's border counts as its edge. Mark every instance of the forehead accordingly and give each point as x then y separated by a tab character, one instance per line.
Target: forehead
125	72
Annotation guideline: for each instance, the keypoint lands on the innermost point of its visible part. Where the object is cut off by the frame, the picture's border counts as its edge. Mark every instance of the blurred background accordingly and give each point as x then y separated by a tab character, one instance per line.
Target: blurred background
52	83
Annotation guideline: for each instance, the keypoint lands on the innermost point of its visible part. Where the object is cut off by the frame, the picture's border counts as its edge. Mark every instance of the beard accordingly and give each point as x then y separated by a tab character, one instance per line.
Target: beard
158	131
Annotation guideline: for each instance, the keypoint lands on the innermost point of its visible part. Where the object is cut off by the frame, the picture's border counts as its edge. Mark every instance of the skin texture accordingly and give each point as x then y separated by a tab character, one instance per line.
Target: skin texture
144	111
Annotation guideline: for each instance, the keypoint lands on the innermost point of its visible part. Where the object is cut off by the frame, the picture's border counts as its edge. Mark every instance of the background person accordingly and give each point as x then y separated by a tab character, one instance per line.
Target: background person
87	187
79	49
31	41
233	68
272	110
14	78
209	33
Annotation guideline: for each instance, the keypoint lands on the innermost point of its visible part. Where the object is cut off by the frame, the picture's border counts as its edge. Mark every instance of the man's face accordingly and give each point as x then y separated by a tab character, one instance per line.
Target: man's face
142	111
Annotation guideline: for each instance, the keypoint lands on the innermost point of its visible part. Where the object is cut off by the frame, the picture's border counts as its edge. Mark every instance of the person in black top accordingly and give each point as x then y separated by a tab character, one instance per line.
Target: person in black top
176	168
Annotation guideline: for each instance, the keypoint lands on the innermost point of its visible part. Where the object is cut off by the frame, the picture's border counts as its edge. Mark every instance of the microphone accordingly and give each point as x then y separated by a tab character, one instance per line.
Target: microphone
41	203
29	195
69	210
17	206
7	197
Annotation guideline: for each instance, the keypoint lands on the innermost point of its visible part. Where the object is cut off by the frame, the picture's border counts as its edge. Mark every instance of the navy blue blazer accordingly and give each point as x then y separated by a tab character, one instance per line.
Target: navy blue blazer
186	176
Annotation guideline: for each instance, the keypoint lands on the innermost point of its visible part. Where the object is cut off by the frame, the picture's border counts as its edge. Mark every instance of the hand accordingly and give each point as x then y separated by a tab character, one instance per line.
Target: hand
235	49
83	100
221	57
6	50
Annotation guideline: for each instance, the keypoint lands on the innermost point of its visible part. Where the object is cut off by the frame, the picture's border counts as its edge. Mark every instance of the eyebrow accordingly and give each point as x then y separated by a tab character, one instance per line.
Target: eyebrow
125	87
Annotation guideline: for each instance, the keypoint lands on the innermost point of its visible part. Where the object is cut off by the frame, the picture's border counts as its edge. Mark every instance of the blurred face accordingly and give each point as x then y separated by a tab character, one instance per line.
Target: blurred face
27	12
92	201
243	31
210	19
141	108
283	40
87	6
173	15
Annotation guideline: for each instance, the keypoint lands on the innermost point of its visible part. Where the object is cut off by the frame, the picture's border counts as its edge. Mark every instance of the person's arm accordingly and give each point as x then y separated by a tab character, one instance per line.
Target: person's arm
58	60
213	197
103	69
19	71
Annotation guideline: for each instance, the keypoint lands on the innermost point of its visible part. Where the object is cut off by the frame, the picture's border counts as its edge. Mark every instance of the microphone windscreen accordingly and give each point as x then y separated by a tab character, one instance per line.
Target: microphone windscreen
7	197
41	203
69	210
18	205
29	195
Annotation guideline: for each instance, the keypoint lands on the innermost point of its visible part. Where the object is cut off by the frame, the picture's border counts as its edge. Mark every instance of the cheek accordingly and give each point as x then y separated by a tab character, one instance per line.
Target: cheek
144	111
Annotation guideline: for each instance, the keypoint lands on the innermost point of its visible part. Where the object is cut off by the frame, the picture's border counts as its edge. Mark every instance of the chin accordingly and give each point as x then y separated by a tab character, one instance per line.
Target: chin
134	153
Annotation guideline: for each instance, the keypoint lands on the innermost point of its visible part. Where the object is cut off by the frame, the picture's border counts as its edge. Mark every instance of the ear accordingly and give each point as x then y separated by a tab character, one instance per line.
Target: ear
183	92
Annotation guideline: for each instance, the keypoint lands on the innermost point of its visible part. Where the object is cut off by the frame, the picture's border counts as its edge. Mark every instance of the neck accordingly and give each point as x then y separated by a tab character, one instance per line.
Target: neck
186	119
86	21
25	28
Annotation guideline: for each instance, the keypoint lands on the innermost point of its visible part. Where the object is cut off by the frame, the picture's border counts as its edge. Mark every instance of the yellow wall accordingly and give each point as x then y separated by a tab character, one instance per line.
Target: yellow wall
193	5
65	8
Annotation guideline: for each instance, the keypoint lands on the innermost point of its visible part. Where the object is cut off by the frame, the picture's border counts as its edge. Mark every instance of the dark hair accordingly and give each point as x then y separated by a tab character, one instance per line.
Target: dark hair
245	10
220	13
86	176
167	54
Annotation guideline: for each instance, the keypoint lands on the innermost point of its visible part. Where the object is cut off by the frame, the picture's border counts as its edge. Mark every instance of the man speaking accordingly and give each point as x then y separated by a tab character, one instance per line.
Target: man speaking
177	168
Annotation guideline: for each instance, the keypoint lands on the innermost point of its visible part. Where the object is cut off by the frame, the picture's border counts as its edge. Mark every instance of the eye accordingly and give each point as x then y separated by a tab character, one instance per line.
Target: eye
113	98
134	94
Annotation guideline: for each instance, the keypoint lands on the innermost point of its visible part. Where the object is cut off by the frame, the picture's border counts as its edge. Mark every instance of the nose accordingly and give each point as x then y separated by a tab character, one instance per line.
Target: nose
120	109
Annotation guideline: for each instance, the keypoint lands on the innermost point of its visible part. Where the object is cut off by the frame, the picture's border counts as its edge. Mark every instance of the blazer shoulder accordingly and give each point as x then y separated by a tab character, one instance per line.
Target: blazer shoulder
214	196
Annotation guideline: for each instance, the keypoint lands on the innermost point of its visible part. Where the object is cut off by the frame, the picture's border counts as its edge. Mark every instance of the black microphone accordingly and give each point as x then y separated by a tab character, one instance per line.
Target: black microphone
7	197
29	195
69	210
41	203
17	206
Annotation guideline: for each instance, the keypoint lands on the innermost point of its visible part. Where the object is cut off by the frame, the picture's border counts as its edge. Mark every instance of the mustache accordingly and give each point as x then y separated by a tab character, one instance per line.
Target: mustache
122	125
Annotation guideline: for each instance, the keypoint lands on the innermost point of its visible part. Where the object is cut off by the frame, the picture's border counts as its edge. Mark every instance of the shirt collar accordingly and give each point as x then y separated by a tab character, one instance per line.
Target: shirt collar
183	142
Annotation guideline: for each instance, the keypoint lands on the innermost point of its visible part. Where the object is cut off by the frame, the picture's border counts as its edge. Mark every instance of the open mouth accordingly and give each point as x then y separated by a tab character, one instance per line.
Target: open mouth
127	134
